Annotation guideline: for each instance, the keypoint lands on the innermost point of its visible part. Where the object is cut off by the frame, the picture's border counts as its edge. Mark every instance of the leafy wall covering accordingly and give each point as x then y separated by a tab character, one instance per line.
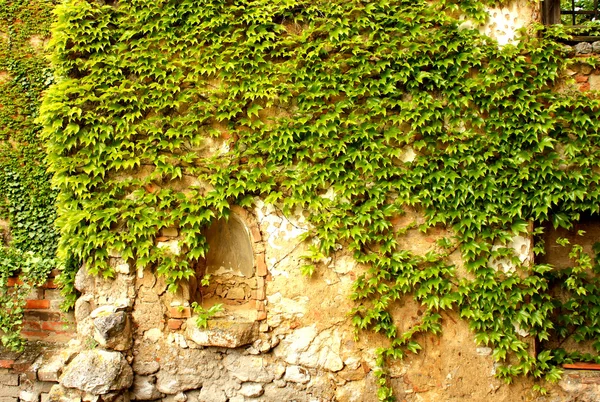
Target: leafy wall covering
26	196
164	113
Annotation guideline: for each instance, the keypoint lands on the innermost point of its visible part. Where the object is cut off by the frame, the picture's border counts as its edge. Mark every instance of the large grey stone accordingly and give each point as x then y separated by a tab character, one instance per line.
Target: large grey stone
583	48
112	329
222	333
83	307
98	372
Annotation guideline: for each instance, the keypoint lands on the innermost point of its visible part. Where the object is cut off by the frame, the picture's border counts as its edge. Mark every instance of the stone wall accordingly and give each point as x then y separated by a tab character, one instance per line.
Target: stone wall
280	337
136	340
28	376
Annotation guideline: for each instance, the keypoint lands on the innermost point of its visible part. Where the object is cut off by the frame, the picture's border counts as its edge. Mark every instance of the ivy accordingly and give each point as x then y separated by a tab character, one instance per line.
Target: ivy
356	112
26	196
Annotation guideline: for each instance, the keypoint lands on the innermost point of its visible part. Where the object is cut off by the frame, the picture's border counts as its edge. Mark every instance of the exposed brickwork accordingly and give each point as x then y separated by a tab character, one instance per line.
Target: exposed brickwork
37	304
7	363
586	78
20	382
43	319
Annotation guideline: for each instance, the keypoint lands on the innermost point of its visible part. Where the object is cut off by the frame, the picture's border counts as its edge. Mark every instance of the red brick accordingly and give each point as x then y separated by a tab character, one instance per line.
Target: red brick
41	315
14	281
32	325
179	312
21	366
256	235
151	188
34	334
37	304
50	285
6	363
581	78
585	86
261	266
174	323
260	294
54	326
582	366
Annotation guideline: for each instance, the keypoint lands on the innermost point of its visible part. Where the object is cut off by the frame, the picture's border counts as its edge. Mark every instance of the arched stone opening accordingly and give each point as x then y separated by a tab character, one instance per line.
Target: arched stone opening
236	269
230	248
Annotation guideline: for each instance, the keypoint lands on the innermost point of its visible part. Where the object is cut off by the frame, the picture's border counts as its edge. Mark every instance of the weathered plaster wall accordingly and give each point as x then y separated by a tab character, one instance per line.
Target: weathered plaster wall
303	348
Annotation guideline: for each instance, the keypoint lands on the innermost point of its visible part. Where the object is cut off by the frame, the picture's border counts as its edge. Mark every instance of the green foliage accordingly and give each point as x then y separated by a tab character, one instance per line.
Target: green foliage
26	196
33	271
203	314
303	99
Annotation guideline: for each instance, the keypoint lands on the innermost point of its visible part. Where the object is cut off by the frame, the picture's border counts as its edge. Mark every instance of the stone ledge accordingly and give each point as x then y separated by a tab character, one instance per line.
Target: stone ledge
223	333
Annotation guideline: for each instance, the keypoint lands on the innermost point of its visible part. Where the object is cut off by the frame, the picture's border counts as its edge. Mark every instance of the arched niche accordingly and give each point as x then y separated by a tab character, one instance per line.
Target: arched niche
235	262
229	248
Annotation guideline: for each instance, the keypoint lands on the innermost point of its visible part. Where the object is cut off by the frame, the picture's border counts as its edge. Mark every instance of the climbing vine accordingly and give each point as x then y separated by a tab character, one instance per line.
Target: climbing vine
26	196
164	113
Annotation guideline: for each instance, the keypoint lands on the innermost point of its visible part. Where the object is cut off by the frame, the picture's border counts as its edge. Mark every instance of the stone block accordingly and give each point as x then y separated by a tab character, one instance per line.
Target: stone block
249	368
173	383
594	82
51	366
169	232
58	393
112	328
222	333
583	48
251	389
296	374
8	390
9	379
52	294
98	372
28	396
145	367
144	388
